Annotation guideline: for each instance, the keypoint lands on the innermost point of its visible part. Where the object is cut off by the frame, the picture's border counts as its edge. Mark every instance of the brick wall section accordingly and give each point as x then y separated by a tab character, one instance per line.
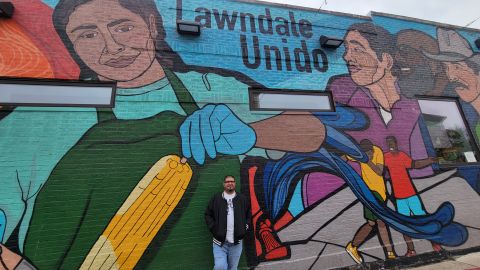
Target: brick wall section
69	175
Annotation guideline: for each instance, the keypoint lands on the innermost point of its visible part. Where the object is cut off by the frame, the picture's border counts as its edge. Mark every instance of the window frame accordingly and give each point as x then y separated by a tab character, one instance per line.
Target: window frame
60	82
470	133
252	91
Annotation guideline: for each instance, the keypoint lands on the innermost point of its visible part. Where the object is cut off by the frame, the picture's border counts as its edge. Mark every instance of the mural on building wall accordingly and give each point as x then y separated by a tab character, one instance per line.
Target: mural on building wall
373	86
126	187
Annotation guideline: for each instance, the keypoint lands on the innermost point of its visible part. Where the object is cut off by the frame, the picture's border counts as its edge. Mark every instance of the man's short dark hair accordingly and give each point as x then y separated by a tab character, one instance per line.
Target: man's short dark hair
392	138
228	176
366	145
380	40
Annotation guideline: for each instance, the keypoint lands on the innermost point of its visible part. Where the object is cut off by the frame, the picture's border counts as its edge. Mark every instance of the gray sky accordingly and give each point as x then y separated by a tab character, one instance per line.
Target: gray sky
457	12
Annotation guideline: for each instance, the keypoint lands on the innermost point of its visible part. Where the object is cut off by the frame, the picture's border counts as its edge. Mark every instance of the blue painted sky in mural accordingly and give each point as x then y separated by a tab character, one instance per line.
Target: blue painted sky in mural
220	44
303	45
269	75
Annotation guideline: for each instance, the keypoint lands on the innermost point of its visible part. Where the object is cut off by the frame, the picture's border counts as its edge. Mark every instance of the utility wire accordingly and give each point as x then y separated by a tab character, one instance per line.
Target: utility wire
323	4
468	24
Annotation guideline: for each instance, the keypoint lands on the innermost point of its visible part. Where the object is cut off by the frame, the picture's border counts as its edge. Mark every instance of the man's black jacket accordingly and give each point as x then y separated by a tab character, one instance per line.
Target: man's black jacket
216	217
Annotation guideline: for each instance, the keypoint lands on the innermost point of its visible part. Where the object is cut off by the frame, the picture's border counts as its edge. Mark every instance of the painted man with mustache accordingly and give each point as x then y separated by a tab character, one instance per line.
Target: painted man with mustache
462	67
463	71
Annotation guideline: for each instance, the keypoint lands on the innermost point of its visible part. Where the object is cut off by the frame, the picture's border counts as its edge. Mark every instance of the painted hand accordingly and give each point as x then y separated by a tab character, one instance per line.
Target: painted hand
369	155
344	144
215	129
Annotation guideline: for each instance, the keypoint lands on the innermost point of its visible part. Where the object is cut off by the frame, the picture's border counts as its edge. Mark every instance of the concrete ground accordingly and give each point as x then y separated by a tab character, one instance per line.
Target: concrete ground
466	262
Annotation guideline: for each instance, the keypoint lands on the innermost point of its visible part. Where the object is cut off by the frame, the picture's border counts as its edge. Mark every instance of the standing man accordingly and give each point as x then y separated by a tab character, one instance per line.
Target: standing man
227	217
407	201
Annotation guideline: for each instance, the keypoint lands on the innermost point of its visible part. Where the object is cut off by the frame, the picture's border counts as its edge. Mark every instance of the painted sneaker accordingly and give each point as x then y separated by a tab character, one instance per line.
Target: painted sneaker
274	250
437	247
267	244
410	253
353	252
391	255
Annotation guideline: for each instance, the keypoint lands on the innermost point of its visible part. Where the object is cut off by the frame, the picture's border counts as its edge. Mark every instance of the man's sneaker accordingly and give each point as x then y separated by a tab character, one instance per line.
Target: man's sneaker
353	252
410	253
391	255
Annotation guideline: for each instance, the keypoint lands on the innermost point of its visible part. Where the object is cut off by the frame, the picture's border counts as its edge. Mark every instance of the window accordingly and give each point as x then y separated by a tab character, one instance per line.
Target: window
18	92
293	100
449	136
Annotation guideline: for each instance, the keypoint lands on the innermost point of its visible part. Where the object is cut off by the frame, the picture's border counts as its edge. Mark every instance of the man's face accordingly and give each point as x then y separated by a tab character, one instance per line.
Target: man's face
229	184
468	88
392	144
363	64
114	42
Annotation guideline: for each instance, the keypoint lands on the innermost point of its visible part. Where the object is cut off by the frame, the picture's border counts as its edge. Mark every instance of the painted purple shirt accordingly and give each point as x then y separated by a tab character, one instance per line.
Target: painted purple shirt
403	125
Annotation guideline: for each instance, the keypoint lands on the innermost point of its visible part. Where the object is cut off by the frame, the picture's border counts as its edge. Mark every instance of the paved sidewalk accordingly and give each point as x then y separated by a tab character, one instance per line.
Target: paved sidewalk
466	262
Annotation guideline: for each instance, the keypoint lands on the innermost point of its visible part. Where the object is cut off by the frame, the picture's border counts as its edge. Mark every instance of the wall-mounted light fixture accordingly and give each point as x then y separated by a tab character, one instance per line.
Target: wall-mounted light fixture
188	28
477	43
329	42
6	9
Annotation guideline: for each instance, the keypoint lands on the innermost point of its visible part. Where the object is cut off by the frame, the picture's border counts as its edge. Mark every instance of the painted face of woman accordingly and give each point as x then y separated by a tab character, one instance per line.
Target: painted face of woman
114	42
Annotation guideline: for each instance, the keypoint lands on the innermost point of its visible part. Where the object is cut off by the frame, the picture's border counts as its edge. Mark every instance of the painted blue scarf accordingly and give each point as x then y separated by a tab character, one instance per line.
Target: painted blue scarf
281	175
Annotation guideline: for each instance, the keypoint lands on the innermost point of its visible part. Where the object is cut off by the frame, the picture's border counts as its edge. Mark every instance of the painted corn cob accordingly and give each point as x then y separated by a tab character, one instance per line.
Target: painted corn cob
141	216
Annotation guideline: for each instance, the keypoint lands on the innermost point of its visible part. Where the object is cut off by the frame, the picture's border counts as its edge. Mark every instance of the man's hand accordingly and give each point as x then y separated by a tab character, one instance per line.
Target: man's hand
215	129
369	155
377	168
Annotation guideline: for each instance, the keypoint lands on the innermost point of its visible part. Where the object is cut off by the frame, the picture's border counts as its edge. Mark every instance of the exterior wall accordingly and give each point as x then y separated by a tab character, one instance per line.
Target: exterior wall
85	188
